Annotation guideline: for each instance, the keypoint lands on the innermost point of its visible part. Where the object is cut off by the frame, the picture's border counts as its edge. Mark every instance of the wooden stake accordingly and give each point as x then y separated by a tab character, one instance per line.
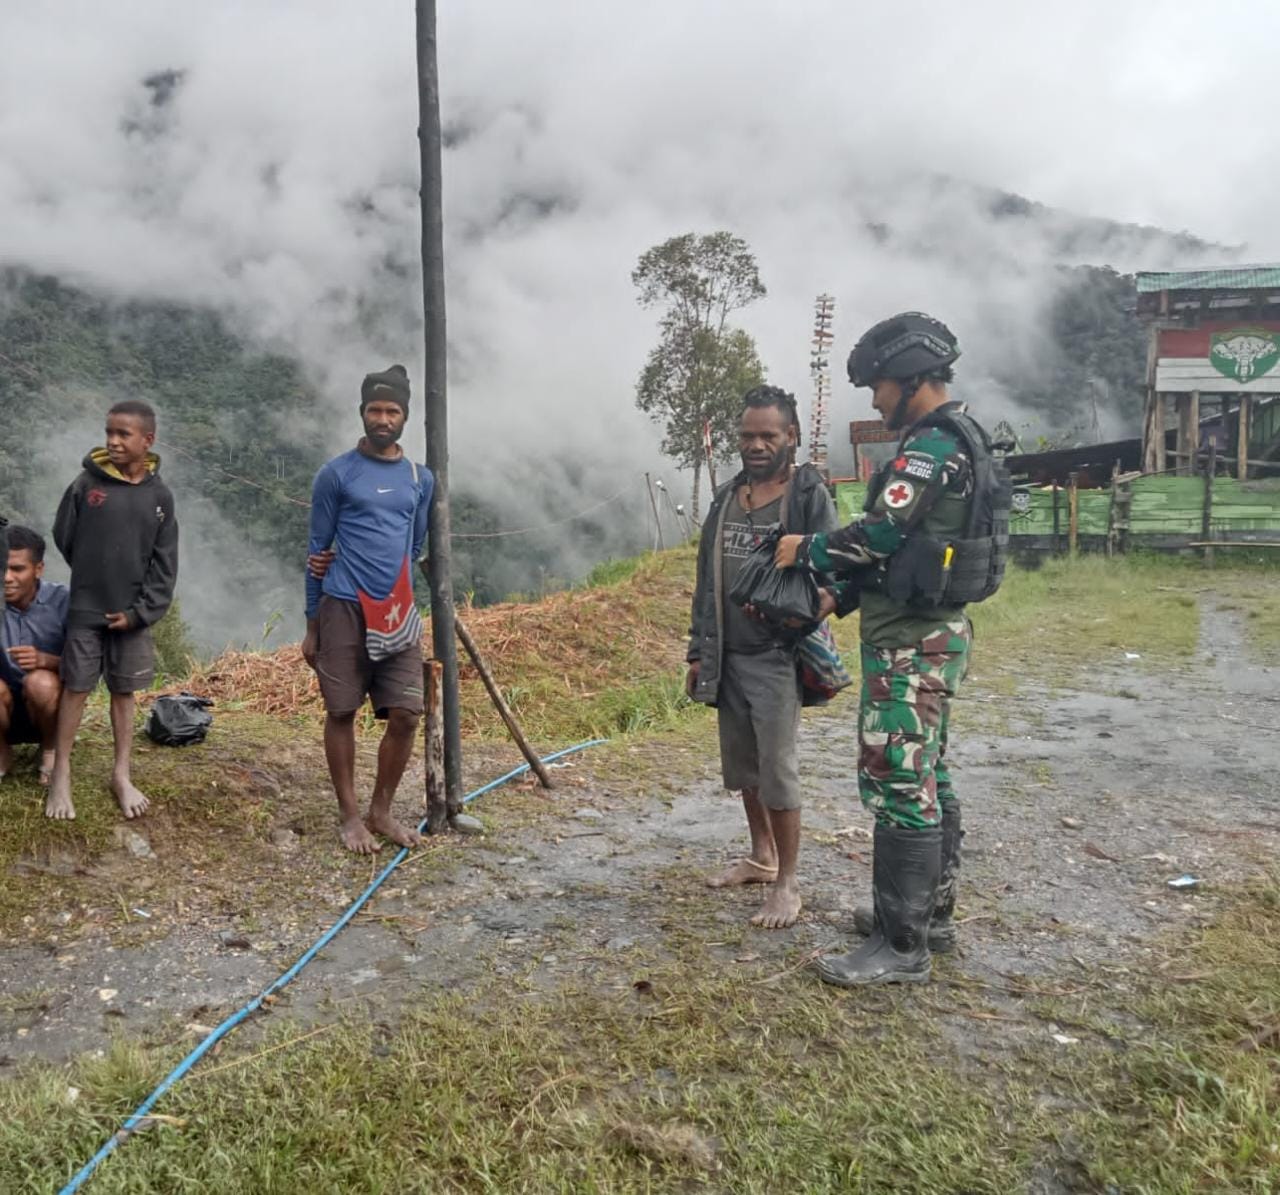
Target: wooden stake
1160	458
1242	438
1112	533
433	740
1073	513
504	711
1057	522
1210	468
1153	421
1192	448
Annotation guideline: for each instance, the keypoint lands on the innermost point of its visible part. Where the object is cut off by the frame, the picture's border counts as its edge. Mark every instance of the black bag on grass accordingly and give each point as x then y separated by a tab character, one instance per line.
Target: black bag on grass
780	594
179	721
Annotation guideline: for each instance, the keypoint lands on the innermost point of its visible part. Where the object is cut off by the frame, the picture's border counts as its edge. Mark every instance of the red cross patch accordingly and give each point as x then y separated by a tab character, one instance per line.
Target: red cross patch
899	494
900	464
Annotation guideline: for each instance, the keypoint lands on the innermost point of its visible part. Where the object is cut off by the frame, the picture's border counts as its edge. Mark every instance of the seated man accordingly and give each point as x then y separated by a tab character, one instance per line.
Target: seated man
31	637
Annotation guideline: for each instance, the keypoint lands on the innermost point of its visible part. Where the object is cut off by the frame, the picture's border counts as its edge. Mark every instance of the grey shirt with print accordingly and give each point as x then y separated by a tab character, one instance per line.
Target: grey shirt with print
743	530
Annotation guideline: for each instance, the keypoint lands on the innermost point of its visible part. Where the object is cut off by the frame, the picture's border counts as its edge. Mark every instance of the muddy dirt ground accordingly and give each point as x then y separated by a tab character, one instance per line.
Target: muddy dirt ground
1078	814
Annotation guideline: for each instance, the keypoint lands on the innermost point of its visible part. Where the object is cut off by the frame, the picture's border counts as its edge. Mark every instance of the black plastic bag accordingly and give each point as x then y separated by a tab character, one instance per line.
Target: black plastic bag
782	595
179	721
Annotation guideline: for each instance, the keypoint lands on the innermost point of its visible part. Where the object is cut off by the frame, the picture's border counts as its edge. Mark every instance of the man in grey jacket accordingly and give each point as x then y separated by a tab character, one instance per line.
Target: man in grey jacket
745	667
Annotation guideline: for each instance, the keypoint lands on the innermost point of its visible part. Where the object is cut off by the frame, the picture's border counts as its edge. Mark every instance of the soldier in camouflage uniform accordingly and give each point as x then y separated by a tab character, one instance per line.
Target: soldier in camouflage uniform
897	561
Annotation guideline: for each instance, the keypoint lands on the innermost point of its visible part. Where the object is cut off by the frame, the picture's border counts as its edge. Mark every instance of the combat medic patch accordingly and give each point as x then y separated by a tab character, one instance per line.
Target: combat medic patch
899	494
919	465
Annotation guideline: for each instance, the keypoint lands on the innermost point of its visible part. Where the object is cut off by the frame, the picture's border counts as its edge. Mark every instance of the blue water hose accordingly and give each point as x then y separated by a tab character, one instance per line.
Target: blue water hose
242	1014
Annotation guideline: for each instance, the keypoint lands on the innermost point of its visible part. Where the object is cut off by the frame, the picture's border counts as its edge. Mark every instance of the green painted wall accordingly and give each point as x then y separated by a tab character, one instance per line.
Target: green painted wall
1161	506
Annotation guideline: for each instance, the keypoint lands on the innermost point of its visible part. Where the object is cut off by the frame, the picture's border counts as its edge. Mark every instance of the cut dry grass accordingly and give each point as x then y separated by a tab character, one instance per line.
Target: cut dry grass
591	661
608	658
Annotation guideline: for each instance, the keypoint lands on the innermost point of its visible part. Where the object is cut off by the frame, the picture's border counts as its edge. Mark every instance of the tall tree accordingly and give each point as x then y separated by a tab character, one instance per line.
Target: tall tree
701	365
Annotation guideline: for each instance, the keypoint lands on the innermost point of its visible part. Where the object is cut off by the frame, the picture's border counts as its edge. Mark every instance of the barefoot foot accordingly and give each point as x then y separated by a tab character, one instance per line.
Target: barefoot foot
58	803
388	827
132	802
780	909
356	837
46	767
743	871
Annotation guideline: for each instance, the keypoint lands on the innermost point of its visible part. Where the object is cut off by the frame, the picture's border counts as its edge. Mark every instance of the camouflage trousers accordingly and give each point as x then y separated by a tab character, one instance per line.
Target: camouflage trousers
902	725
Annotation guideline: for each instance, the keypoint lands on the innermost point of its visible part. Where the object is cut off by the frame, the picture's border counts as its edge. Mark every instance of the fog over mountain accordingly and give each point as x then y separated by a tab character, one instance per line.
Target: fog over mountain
261	159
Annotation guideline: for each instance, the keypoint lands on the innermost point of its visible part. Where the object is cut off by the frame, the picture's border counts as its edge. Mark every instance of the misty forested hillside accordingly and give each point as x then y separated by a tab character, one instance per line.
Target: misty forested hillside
241	436
1086	381
242	433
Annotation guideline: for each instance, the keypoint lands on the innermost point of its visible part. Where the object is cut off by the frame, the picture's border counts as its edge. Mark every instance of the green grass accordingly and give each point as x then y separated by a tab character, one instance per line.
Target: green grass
1193	1104
1254	599
1089	610
677	1076
752	1088
614	572
705	1080
1057	623
213	806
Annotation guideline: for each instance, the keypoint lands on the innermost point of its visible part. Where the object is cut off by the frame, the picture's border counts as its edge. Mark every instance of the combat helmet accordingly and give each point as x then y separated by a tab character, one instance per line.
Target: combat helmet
903	347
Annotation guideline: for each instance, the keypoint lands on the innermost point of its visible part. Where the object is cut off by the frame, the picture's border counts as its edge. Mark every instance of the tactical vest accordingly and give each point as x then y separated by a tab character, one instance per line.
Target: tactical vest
926	571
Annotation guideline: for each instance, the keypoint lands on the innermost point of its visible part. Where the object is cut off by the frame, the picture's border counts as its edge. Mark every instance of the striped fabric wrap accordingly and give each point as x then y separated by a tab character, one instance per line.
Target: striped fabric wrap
391	624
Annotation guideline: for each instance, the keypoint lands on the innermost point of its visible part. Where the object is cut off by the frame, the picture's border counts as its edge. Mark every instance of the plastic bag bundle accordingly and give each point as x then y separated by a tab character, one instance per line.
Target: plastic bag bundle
179	721
780	594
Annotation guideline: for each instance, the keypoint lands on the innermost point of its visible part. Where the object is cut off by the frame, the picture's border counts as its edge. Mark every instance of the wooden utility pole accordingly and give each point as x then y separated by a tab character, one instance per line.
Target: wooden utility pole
439	570
1073	512
1206	514
1242	440
1057	523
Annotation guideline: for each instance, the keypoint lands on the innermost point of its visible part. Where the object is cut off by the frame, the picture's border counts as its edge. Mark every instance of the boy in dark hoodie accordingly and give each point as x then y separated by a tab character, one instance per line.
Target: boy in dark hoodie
116	528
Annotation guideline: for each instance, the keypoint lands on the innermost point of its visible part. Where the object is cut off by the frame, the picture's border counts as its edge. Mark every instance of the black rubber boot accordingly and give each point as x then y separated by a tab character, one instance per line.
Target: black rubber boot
942	932
904	882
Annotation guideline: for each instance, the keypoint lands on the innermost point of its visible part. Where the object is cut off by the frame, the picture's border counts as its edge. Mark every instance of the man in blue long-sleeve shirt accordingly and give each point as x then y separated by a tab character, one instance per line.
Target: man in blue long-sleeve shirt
369	510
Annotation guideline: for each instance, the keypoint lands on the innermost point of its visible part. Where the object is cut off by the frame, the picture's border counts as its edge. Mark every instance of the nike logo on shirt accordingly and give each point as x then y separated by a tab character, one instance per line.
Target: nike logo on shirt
382	491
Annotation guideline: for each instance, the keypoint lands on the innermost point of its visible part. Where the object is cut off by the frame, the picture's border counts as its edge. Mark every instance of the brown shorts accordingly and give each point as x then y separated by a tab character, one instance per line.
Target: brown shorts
125	659
346	673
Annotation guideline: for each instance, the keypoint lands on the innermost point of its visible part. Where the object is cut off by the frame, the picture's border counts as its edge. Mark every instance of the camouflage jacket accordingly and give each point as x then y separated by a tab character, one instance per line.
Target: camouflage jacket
926	486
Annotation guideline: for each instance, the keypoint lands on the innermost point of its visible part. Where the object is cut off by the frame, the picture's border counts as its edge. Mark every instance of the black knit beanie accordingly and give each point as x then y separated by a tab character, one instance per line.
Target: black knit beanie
394	379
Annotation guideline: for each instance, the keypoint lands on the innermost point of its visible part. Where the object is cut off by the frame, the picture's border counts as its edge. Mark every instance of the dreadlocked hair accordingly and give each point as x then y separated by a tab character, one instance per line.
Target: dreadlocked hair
774	396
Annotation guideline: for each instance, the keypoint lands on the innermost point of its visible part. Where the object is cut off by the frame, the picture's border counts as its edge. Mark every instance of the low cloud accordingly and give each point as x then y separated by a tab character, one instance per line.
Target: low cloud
261	158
